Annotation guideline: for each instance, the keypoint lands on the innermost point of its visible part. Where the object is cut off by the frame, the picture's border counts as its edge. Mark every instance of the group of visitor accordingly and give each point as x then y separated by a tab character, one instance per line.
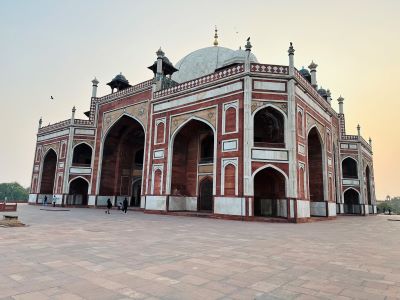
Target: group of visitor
53	202
123	205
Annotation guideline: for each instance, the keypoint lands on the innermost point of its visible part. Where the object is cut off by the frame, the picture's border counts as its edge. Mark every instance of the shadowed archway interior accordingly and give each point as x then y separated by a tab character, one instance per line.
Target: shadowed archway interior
269	188
269	128
78	192
193	150
82	155
122	157
316	182
349	168
351	202
49	172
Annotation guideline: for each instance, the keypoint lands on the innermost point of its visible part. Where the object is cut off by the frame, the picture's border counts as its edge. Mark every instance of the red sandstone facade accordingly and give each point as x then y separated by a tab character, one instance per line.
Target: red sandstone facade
244	140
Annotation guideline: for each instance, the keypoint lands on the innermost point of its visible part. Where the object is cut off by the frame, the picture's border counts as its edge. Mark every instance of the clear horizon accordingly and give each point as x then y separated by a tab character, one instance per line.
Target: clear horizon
55	48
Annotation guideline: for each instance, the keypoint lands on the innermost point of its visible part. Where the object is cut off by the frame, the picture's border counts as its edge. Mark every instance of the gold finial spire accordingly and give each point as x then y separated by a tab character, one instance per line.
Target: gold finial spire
216	36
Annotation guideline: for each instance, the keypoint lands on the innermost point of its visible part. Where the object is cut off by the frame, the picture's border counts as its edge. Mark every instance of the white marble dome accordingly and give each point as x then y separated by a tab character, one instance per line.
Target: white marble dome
206	60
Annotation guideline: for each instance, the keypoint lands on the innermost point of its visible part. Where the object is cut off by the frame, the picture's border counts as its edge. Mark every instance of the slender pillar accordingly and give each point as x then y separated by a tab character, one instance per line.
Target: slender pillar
313	70
340	101
95	82
247	129
291	129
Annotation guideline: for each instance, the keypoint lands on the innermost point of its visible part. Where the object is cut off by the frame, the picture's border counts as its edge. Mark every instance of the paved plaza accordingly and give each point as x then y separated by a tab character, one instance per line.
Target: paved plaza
86	254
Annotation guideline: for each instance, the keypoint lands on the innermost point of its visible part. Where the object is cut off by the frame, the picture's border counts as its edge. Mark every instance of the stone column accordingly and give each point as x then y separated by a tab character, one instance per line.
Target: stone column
95	82
313	70
247	130
291	139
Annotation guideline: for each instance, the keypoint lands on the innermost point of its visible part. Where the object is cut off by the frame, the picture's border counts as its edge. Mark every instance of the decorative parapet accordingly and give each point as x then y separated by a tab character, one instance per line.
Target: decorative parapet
55	126
200	81
270	69
83	122
127	92
65	124
310	90
356	138
352	138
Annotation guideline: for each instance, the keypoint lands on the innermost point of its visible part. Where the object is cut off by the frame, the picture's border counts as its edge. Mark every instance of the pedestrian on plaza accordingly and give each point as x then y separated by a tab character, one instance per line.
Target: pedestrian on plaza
125	205
45	200
109	205
390	211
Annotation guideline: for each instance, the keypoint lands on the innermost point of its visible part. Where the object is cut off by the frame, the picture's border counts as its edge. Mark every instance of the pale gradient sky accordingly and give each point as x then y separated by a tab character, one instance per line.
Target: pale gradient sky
57	47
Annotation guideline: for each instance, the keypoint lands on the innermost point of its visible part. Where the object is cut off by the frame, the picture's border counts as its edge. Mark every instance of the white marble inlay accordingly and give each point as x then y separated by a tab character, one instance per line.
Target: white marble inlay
199	96
351	182
53	135
270	86
229	145
158	154
84	131
281	155
80	170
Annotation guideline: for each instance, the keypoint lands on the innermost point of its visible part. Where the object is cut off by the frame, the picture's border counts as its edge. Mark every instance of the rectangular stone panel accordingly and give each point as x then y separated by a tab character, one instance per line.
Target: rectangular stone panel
204	95
270	86
229	145
230	206
276	155
53	135
84	131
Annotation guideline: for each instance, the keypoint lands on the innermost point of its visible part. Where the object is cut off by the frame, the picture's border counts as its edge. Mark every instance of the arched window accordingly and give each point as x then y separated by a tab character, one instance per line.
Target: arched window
230	120
63	147
230	180
269	128
160	133
157	182
349	168
300	123
82	155
59	184
301	183
207	149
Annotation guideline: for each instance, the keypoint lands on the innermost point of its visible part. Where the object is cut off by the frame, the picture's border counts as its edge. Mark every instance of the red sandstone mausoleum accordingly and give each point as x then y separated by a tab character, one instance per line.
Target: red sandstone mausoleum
219	133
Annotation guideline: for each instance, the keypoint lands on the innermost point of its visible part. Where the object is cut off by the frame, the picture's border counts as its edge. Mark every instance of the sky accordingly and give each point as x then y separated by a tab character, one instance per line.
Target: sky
55	48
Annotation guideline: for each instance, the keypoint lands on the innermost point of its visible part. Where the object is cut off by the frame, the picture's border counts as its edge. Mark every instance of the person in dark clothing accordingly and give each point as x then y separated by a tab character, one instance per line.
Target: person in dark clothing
125	205
109	205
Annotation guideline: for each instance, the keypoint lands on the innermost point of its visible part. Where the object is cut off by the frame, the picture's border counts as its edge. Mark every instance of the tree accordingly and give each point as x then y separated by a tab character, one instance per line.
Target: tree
14	192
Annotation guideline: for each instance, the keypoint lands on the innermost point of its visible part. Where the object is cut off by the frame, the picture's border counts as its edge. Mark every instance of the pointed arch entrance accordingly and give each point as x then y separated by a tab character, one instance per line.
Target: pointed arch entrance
368	184
315	165
122	159
351	201
269	190
48	172
78	192
205	195
192	170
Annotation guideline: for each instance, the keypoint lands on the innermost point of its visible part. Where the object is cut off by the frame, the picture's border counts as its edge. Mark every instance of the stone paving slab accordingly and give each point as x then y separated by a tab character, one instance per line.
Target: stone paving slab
86	254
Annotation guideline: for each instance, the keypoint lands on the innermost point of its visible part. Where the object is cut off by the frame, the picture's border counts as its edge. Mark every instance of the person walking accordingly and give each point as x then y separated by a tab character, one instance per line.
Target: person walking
125	205
109	205
45	201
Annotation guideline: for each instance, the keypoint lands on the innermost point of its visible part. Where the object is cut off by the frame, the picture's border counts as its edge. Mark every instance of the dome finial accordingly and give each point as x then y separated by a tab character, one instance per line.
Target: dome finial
216	37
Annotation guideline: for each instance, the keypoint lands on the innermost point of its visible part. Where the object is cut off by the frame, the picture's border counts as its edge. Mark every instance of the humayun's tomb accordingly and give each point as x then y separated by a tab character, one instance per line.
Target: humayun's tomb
219	134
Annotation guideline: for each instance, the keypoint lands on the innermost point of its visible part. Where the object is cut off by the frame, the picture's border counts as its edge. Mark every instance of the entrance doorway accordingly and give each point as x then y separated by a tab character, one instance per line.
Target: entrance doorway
205	195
